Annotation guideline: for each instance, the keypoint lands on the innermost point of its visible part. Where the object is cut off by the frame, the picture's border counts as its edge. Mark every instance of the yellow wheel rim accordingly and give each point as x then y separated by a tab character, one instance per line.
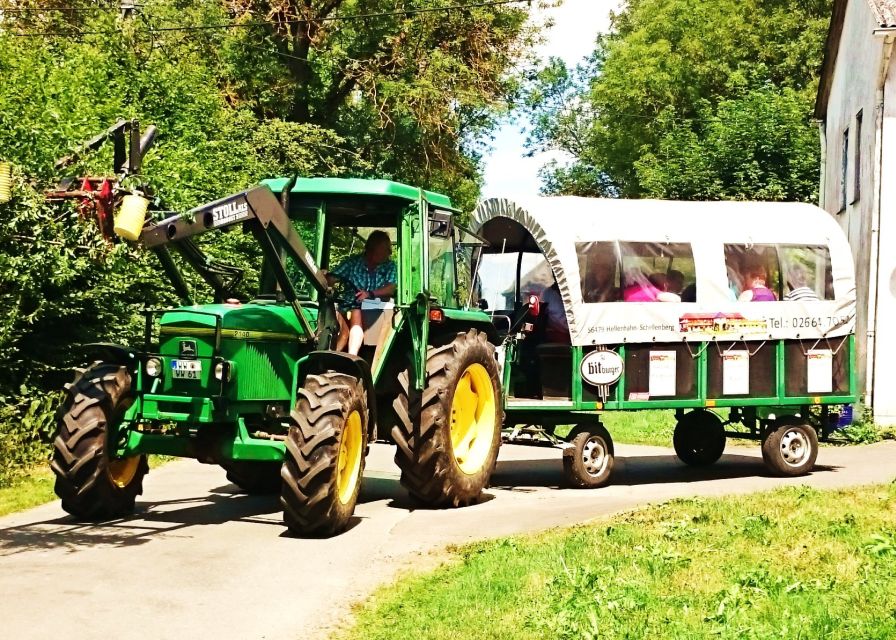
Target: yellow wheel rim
473	419
122	471
348	463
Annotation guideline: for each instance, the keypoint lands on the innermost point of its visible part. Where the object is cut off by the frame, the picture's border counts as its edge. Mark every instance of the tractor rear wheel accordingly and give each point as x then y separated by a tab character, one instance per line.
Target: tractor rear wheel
255	478
324	461
448	435
92	483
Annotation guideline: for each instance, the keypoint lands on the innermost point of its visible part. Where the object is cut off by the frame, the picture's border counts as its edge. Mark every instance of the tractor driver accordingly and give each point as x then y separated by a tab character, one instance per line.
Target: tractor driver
373	275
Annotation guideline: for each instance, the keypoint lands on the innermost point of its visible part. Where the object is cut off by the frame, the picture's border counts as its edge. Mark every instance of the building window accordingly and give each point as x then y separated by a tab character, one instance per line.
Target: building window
857	159
844	163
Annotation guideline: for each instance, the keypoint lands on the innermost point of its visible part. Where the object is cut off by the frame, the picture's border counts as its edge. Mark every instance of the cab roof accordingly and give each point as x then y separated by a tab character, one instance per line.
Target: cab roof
357	186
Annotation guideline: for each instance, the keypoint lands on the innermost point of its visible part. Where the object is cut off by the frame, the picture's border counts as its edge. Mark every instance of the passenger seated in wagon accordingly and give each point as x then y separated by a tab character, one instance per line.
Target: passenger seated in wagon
756	289
640	288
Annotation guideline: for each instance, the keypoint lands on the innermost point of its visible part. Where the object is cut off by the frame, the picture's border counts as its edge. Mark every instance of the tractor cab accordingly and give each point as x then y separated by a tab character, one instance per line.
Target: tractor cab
336	217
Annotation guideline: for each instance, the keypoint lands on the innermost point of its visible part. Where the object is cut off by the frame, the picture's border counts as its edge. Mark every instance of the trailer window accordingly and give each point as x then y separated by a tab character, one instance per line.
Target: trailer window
658	271
599	271
806	272
787	272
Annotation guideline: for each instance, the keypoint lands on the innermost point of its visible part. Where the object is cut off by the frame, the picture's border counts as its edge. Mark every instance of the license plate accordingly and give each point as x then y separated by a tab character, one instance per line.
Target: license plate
186	369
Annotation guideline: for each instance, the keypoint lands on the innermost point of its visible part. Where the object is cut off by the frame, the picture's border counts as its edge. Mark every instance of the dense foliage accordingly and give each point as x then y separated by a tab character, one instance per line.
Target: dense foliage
690	99
297	88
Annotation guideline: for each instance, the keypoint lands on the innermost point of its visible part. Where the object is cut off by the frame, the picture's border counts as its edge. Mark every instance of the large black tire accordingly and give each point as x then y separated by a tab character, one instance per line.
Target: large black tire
447	450
324	461
699	438
255	478
790	447
92	484
588	463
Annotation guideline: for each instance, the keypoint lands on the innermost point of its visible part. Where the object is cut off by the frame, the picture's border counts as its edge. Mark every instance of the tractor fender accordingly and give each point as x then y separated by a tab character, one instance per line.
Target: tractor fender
323	361
112	353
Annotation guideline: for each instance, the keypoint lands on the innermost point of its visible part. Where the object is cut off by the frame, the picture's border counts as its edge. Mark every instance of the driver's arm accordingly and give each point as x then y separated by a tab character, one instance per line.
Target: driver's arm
386	291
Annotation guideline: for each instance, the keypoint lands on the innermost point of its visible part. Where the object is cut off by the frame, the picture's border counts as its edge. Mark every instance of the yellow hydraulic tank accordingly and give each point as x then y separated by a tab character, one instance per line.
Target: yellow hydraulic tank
131	216
5	182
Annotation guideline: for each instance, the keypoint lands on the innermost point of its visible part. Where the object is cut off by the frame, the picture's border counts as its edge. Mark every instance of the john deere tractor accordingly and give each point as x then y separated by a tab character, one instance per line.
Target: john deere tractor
253	384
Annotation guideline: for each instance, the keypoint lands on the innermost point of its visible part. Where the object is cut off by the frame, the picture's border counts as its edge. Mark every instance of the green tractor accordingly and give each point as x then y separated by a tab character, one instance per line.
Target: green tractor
253	383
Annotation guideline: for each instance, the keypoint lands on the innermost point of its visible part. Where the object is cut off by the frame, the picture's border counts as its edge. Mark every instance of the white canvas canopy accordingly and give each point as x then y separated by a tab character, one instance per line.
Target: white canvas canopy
565	229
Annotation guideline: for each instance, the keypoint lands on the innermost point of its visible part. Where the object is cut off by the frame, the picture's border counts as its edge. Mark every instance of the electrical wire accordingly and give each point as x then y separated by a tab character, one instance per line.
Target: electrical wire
65	9
257	23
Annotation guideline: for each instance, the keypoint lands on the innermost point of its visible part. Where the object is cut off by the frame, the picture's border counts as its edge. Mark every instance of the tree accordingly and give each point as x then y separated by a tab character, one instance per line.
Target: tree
239	91
660	86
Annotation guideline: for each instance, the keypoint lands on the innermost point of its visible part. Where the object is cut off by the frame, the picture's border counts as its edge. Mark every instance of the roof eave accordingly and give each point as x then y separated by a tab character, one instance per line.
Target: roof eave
831	48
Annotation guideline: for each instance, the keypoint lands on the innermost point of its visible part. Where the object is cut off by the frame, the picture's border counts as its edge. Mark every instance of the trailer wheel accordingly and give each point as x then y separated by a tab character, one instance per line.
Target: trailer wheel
790	447
324	460
699	438
255	478
92	483
448	436
588	463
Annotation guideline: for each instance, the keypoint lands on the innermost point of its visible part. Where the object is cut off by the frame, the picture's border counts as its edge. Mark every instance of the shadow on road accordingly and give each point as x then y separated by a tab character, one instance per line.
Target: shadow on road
227	504
631	471
149	520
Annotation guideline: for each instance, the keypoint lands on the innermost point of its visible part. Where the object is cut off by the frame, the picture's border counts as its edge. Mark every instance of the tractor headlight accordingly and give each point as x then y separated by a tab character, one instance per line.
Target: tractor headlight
154	367
223	369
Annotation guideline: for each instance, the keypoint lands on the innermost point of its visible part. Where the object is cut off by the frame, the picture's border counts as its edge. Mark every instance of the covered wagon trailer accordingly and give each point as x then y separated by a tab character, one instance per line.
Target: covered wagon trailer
739	316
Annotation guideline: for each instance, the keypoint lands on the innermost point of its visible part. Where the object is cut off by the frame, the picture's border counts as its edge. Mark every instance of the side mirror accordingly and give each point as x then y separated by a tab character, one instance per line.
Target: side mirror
440	224
482	304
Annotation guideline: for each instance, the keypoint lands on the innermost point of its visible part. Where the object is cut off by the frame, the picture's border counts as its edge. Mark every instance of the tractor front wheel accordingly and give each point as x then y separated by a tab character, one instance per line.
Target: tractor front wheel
324	459
448	435
92	483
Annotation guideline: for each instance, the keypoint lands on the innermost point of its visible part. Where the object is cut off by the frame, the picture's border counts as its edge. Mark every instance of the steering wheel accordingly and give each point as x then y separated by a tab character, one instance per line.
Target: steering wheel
346	291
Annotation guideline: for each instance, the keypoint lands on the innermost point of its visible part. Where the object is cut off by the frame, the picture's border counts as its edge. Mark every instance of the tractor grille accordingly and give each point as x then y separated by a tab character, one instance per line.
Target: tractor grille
257	375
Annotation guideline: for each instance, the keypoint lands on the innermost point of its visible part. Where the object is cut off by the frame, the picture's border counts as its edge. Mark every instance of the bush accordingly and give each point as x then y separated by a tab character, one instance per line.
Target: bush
27	432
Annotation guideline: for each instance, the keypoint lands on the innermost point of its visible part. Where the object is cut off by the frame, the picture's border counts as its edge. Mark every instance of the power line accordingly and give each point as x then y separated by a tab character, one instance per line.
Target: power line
336	18
62	9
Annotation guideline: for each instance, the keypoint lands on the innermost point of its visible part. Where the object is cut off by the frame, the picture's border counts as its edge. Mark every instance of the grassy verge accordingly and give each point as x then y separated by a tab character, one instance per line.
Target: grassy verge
640	427
651	427
793	563
35	487
30	490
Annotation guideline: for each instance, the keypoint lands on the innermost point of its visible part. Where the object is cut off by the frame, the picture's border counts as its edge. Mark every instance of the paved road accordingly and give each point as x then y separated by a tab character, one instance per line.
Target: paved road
199	558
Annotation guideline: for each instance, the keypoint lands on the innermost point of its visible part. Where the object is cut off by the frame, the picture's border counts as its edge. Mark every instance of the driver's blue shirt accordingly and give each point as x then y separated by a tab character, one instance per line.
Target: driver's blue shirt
359	278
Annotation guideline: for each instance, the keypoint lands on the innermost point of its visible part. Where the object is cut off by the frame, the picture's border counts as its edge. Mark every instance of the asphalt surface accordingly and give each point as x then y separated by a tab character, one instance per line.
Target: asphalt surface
197	557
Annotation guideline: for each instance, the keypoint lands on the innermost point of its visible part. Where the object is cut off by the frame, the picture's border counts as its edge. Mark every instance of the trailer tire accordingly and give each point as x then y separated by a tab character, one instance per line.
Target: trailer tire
588	463
448	435
324	459
255	478
91	484
790	447
699	438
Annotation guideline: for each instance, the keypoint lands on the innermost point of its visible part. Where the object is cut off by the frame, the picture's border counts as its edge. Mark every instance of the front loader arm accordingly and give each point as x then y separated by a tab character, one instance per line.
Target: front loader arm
256	210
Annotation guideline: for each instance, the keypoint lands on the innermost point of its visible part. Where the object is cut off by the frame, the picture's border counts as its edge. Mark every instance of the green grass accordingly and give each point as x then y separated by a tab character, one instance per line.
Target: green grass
30	490
793	563
35	487
640	427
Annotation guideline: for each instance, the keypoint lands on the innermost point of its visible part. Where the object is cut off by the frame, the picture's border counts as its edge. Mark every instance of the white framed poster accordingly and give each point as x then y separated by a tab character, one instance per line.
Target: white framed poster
662	373
735	372
819	371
